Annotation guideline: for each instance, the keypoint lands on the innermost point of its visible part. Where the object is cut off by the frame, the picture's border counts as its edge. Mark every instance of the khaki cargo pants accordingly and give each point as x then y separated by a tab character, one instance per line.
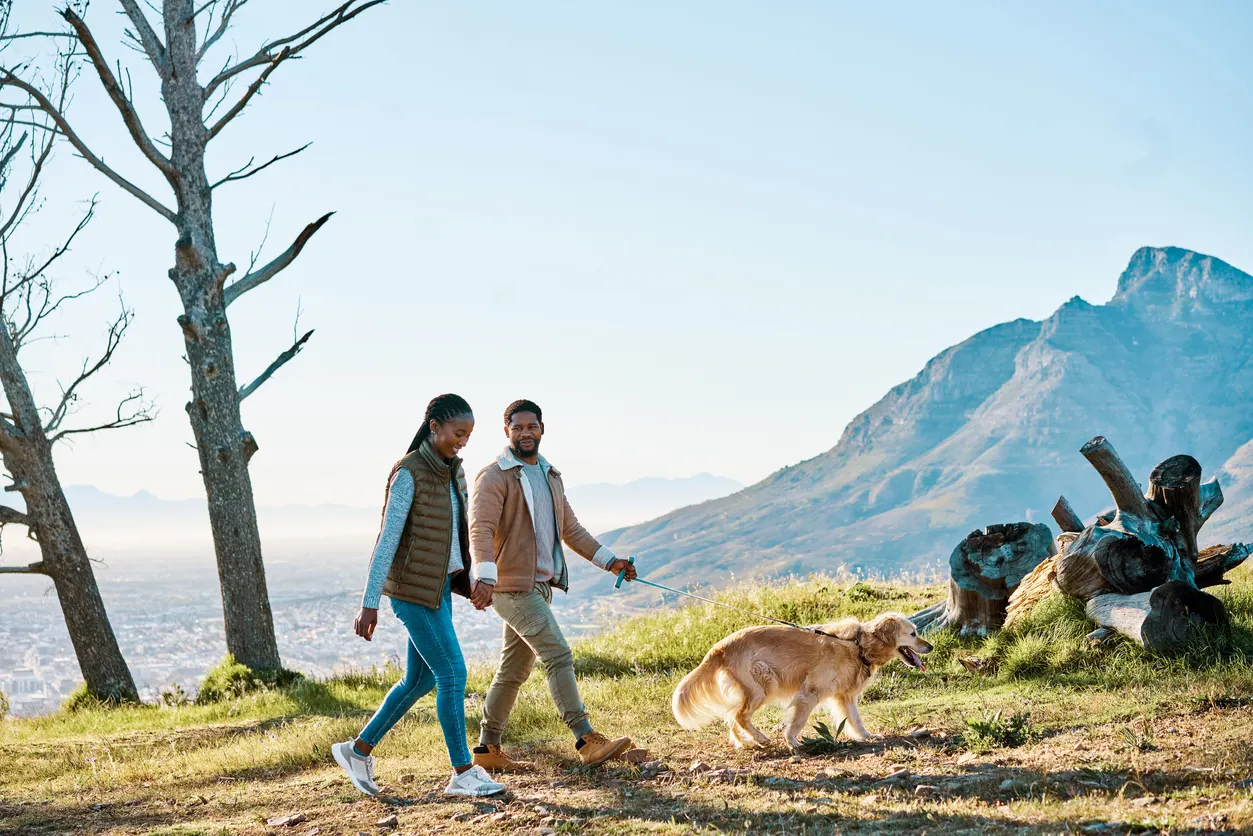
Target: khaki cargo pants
531	630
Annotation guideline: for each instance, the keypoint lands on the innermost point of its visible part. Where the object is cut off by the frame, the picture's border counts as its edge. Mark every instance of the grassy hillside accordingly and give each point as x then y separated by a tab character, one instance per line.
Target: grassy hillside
1100	741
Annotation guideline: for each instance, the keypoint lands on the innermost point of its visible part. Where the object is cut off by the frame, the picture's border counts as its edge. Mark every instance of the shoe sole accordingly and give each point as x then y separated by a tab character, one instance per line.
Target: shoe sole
472	794
342	761
617	750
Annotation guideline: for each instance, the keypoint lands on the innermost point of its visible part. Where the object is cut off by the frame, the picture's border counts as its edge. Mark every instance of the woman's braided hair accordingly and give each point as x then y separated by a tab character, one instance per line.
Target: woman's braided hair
441	408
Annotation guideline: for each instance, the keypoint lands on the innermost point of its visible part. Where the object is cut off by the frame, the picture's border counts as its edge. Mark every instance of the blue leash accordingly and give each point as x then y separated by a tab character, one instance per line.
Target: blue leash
631	560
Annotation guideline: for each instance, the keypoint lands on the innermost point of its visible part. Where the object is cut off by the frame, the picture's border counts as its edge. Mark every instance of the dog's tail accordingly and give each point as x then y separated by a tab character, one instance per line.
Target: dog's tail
699	699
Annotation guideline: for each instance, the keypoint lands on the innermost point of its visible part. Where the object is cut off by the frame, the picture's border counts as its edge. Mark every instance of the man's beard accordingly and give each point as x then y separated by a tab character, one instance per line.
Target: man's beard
520	453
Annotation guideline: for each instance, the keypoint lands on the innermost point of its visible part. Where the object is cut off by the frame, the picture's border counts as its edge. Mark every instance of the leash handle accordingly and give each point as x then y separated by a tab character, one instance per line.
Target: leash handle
622	574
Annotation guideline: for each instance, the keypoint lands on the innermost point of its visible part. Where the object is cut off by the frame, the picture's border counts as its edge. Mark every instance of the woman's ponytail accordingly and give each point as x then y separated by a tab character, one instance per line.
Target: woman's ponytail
442	408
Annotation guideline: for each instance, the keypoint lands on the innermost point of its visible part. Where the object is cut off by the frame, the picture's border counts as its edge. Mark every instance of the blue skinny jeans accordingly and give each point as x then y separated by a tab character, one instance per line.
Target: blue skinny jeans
435	661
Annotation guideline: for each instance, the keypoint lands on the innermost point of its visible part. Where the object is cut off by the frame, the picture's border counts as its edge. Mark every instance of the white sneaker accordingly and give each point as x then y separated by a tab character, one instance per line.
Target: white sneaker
473	782
360	770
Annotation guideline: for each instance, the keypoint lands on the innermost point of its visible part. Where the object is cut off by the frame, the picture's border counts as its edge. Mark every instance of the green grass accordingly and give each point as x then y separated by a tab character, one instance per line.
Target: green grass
248	745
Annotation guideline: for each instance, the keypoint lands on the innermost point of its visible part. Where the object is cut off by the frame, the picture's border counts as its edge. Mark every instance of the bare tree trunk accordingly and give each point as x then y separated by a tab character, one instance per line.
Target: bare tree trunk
214	409
28	459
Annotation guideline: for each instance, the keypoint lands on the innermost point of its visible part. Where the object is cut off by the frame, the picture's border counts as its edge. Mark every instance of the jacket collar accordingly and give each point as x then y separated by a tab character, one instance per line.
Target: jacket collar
508	461
436	462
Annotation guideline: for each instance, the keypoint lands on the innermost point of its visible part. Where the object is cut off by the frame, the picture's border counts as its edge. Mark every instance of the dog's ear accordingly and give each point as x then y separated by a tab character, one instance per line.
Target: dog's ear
883	629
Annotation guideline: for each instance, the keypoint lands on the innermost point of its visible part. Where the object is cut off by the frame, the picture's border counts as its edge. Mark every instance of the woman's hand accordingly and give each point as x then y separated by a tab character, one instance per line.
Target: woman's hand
481	595
366	621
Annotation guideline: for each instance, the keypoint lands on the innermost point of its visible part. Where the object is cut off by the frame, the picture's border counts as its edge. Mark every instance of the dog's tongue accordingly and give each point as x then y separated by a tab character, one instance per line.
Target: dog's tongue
912	658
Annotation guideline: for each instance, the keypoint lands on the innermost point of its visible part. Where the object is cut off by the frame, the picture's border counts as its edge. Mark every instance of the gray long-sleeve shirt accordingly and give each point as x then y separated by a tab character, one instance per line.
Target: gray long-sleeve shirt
399	501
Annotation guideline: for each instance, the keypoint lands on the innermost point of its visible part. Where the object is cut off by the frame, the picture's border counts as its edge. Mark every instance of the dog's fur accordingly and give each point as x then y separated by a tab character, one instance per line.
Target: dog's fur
780	664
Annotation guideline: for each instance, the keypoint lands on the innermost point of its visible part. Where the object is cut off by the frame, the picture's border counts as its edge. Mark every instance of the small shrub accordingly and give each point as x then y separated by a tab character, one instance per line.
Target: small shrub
827	742
860	592
174	696
995	730
82	699
1139	736
4	705
230	679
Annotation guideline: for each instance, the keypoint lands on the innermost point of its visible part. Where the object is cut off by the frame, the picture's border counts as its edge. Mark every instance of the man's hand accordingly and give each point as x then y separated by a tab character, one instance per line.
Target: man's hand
481	595
366	621
620	564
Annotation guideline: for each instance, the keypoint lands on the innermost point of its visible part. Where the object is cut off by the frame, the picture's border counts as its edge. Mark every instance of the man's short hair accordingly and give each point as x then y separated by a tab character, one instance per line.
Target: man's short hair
523	405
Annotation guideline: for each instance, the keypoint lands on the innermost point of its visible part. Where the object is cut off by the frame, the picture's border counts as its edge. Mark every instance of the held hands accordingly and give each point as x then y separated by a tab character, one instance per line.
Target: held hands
481	595
366	621
620	564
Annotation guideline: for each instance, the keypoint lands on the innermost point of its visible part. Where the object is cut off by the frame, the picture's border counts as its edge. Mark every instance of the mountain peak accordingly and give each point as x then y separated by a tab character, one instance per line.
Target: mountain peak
1158	276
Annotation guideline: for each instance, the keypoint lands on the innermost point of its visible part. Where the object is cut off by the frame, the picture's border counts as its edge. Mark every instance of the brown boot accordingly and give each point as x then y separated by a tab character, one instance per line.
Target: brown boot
596	748
492	757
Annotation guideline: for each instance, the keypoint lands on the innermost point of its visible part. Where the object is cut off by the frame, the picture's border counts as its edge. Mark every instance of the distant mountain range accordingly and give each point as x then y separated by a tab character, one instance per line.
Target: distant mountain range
146	521
990	430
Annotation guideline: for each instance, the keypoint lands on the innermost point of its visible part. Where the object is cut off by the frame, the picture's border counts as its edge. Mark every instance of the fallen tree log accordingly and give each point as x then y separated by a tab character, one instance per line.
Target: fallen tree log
984	570
1163	620
1216	561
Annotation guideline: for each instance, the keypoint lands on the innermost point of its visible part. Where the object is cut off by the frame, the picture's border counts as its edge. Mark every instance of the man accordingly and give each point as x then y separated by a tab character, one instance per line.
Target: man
519	517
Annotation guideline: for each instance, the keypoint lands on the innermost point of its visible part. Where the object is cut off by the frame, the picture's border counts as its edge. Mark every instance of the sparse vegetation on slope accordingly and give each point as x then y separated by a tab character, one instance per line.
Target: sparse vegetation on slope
1116	740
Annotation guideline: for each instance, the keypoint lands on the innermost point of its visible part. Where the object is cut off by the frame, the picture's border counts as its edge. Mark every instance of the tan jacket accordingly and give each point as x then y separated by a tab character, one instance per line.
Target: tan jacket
502	528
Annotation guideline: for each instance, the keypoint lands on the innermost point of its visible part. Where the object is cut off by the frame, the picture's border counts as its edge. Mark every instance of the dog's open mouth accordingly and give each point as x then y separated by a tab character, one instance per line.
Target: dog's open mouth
911	658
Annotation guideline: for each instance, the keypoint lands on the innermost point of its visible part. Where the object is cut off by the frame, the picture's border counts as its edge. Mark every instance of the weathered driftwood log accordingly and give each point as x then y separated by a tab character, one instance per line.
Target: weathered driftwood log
1144	544
1216	561
1175	486
984	570
1163	619
1065	517
1137	546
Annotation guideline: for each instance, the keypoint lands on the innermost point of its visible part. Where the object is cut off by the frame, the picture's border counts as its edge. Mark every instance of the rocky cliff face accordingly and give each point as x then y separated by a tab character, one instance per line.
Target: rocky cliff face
989	431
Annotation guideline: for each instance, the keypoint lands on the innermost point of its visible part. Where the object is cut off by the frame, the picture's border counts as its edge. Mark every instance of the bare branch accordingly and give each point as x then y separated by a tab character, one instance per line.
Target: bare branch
280	263
32	569
252	90
124	106
69	394
147	37
12	516
224	23
133	410
292	44
7	78
8	158
32	182
23	35
247	171
275	366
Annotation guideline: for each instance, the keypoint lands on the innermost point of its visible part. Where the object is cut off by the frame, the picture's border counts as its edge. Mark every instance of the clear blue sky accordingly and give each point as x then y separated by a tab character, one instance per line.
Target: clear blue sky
702	235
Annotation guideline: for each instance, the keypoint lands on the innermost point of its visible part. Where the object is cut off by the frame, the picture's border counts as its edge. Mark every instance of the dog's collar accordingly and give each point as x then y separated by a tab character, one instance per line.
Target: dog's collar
856	640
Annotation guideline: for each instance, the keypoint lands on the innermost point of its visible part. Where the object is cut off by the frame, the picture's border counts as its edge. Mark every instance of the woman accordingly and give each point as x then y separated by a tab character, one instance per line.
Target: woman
422	556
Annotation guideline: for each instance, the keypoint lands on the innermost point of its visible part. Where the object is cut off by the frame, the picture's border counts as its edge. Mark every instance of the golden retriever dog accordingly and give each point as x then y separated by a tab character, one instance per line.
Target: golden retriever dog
798	668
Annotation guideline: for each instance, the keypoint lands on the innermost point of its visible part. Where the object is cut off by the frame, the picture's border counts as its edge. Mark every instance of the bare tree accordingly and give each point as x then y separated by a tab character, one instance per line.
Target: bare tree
28	433
176	48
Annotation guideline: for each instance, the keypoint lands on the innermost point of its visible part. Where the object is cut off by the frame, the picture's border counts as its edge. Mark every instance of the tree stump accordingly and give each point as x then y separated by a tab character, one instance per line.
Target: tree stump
984	570
1163	620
